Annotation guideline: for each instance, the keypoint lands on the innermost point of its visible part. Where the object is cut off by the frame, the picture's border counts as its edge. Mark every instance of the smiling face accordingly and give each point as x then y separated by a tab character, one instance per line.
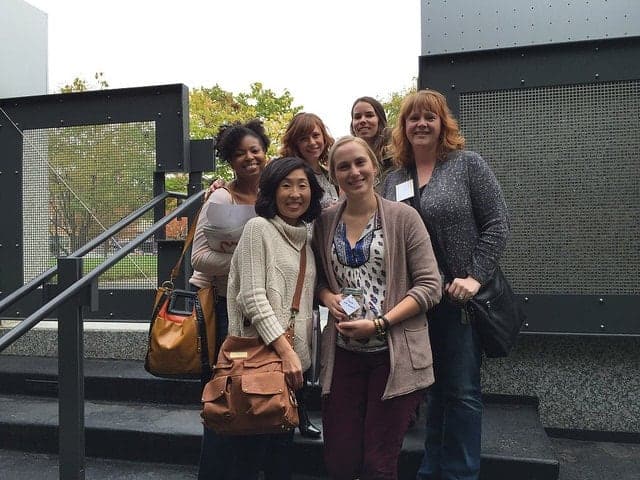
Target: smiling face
364	121
354	169
293	196
249	158
423	128
311	146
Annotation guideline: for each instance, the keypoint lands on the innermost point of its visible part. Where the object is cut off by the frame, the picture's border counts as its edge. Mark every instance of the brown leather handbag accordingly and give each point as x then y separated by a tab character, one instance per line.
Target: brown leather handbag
248	393
182	332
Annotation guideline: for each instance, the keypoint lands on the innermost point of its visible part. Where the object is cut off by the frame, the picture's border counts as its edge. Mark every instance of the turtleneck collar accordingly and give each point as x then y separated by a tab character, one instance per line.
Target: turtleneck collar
295	235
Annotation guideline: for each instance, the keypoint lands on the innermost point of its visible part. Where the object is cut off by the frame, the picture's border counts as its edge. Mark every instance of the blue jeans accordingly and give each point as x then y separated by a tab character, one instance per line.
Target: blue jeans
454	402
216	451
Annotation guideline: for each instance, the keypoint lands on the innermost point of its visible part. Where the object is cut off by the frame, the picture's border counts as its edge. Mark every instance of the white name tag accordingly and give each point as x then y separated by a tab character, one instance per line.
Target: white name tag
404	190
349	304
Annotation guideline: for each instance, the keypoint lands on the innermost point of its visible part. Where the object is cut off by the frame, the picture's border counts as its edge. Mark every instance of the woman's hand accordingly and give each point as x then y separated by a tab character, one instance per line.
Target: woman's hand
291	365
217	183
461	290
356	329
332	302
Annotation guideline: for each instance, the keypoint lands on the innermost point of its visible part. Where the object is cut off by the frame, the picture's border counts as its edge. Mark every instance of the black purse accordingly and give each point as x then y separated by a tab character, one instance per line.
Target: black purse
494	310
498	315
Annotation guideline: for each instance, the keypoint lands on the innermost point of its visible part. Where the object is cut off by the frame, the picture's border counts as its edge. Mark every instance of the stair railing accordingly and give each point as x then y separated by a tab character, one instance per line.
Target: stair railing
76	291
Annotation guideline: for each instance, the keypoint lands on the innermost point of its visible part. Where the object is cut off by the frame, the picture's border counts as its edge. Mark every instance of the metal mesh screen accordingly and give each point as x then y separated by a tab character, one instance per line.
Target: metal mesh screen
568	160
77	182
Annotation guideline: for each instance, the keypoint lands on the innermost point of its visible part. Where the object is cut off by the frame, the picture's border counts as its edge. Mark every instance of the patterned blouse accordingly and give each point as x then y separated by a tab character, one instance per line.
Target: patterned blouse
362	267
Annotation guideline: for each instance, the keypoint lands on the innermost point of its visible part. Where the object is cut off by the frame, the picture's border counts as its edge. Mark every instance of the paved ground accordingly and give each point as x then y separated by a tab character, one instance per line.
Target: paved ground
579	460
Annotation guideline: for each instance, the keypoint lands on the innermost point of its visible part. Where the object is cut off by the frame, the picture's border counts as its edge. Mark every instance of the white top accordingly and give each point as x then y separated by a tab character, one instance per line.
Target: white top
211	267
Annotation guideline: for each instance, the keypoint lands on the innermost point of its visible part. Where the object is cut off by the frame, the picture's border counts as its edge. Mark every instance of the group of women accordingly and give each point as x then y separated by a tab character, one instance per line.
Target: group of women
409	226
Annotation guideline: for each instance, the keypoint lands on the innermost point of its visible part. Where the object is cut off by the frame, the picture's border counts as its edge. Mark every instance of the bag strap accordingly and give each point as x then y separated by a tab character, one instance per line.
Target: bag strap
205	361
175	271
435	243
295	304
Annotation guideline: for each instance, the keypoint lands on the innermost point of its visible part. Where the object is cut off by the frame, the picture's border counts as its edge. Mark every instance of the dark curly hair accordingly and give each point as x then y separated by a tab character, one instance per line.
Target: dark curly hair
230	136
276	171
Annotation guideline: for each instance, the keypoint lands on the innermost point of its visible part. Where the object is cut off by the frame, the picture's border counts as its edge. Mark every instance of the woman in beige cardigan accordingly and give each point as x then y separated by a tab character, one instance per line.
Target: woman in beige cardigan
376	362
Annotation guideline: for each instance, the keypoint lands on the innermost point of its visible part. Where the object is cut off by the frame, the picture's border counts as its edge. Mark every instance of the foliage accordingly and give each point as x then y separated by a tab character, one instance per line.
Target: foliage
209	108
81	85
98	174
392	103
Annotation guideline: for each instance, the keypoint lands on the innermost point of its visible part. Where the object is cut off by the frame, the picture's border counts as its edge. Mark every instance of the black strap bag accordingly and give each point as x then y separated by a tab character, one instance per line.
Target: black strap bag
495	310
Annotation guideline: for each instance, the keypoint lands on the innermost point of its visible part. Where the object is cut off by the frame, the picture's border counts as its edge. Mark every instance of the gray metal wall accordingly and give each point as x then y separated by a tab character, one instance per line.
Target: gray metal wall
461	26
23	49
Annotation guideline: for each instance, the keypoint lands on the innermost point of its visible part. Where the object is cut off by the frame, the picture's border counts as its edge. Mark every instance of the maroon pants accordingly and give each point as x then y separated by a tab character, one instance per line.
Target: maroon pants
363	434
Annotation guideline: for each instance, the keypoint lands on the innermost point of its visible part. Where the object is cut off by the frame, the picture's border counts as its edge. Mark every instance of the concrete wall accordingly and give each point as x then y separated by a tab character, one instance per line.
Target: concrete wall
461	26
23	49
583	383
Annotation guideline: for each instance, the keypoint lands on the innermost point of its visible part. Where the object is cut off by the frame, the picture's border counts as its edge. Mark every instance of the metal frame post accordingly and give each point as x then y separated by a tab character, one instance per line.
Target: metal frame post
71	441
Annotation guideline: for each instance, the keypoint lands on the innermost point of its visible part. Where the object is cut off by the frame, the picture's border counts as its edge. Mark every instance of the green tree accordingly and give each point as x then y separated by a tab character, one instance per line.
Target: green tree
81	85
392	102
97	174
209	108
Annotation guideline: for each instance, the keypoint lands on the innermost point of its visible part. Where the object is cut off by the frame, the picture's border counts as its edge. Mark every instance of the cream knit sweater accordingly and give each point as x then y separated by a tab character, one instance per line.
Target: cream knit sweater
262	282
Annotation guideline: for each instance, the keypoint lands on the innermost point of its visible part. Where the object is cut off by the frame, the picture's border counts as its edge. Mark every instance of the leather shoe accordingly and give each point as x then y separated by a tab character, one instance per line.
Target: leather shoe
307	429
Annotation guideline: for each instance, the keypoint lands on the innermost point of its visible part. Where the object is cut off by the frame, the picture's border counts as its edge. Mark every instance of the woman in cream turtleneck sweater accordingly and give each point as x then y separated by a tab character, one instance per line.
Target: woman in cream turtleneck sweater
262	281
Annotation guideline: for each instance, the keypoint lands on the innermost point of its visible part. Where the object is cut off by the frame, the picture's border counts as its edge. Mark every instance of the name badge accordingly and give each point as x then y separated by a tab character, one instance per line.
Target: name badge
349	304
404	190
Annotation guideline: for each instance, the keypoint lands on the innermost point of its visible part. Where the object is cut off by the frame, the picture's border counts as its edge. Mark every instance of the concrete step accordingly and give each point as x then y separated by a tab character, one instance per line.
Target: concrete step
127	407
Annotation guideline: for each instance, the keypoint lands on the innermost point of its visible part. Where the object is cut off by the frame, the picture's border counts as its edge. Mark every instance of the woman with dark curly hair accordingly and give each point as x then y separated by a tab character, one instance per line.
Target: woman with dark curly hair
307	138
262	280
243	147
462	206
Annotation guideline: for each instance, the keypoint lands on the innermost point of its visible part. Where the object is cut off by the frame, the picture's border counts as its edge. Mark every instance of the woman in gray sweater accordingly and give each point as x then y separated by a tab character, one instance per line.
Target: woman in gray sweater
462	206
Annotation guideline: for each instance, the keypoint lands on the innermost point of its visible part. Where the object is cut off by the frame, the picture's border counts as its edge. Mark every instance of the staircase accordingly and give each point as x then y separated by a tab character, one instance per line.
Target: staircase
132	415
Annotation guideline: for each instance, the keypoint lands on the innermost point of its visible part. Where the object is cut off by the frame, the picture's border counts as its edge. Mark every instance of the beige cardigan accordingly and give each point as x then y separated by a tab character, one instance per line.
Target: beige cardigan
262	282
411	270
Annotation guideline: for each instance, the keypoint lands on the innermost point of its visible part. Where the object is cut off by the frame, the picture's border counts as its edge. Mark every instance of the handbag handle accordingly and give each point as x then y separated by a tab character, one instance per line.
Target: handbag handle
175	271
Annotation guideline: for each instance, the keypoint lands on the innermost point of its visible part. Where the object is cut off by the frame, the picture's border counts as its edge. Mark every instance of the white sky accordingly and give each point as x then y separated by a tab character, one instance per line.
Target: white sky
326	53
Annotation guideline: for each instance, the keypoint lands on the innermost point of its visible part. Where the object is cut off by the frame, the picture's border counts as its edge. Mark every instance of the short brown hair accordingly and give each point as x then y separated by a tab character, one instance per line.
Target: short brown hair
433	101
301	125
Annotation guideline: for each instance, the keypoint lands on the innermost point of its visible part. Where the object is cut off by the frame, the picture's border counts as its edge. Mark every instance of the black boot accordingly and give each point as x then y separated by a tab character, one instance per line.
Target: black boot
307	429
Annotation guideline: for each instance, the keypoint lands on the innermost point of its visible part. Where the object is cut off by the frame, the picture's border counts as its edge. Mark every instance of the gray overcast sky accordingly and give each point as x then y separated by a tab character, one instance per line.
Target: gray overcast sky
326	53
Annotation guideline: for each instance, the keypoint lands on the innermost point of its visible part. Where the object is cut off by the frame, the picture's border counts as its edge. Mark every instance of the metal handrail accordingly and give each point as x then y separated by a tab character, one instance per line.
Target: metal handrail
28	323
116	227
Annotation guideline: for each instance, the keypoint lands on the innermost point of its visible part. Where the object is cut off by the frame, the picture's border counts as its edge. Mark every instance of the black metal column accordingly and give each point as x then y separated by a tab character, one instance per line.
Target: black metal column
70	376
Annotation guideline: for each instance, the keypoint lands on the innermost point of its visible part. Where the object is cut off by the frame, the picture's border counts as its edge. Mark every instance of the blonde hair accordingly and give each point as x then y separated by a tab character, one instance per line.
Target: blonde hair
450	137
351	139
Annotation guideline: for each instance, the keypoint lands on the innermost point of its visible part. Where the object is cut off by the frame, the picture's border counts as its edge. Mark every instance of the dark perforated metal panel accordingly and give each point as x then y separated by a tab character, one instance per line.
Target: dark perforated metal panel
78	181
568	160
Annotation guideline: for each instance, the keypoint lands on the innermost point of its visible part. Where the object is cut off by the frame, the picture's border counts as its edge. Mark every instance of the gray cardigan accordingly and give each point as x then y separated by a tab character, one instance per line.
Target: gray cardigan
463	205
411	270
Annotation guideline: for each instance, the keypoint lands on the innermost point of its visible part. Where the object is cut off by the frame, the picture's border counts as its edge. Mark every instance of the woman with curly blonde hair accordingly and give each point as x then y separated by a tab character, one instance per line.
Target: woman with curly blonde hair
461	203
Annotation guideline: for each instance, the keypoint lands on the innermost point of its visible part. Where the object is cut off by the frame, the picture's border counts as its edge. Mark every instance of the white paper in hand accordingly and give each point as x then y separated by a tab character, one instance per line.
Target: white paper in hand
349	305
225	224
